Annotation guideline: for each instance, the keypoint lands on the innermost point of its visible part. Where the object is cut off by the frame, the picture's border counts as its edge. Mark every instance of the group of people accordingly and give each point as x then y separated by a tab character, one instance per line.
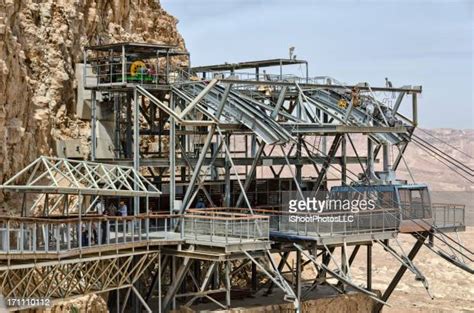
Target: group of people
111	209
90	237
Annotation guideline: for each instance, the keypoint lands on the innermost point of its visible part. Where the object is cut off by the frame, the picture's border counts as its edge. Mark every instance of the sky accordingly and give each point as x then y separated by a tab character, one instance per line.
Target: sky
428	43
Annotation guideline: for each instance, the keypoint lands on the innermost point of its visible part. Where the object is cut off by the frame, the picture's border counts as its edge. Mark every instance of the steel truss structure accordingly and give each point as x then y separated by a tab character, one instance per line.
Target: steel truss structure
75	277
186	135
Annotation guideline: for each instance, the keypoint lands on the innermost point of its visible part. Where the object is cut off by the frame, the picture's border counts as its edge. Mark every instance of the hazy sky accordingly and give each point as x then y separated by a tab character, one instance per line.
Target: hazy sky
428	43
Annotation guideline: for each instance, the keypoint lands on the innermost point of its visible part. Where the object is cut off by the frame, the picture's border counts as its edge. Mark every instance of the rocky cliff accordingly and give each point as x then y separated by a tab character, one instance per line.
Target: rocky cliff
40	43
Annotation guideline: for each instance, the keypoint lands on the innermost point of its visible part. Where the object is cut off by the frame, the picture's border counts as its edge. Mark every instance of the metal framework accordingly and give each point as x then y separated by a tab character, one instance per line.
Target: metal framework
62	176
57	280
184	136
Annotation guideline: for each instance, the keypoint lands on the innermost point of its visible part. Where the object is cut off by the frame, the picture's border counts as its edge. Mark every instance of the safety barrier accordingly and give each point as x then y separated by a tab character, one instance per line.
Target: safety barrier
448	215
23	235
117	73
326	224
227	227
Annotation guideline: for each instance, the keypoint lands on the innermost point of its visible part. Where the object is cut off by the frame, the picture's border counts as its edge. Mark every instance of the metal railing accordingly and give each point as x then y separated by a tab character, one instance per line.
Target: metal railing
226	227
243	76
116	73
328	224
54	235
23	235
331	224
449	215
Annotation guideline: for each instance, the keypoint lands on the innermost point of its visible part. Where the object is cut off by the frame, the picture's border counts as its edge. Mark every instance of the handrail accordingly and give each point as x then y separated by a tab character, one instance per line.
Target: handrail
75	218
24	235
275	212
448	214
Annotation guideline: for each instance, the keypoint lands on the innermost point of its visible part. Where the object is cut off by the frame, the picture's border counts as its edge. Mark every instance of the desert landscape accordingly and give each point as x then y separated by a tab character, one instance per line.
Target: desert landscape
452	288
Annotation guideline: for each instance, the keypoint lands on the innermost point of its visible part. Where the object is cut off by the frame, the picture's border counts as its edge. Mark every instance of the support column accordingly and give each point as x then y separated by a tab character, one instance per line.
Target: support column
172	155
227	283
324	140
401	271
136	149
159	283
369	267
386	160
282	263
227	174
344	160
254	277
215	277
326	258
197	272
178	279
370	158
173	267
415	109
307	72
94	127
118	300
253	145
117	125
124	66
128	125
343	264
298	275
298	166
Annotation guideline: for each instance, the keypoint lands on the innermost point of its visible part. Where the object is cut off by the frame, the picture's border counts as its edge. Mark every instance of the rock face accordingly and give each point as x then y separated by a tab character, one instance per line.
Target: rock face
40	43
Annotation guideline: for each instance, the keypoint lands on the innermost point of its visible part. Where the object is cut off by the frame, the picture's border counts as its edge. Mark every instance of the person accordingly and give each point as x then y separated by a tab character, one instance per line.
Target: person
103	226
355	97
94	238
389	84
200	204
84	236
123	212
122	208
99	206
112	209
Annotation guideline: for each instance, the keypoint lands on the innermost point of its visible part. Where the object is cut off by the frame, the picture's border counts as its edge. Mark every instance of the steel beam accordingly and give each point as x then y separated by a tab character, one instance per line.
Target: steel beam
172	155
177	280
261	147
364	87
330	155
281	265
198	98
94	126
298	274
227	283
401	271
136	148
369	267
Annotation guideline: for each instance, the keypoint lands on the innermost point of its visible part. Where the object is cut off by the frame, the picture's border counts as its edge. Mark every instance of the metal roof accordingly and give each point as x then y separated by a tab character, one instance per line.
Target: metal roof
63	176
247	65
145	48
